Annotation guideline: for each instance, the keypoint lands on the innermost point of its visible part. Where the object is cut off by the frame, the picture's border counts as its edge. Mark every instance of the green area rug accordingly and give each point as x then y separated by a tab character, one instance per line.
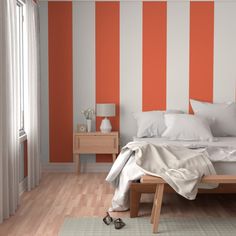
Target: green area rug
207	226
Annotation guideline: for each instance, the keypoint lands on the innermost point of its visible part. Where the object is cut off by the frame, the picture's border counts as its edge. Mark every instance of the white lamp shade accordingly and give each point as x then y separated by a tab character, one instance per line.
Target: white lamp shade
106	109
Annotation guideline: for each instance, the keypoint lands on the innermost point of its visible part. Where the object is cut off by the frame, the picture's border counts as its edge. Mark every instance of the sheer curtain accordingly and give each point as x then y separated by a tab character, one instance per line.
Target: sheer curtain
32	124
9	112
9	104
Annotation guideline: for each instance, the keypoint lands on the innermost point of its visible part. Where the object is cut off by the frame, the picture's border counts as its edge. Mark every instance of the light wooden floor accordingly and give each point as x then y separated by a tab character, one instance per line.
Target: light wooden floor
43	210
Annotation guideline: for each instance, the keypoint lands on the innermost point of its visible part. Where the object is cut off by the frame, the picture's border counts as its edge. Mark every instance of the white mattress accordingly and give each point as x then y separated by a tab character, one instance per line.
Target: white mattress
220	142
221	166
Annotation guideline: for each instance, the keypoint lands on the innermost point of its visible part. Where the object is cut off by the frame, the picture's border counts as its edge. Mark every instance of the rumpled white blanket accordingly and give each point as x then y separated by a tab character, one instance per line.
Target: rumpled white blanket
180	167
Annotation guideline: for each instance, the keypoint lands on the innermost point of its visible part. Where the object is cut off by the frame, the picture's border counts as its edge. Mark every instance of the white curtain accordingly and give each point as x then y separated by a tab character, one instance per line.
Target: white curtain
32	113
9	111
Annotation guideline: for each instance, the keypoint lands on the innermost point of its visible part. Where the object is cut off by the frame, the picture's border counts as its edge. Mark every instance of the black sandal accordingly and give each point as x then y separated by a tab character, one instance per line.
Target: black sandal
107	219
117	222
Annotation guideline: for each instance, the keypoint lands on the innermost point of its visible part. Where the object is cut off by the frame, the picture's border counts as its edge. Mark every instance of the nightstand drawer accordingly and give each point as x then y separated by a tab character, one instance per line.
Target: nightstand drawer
96	144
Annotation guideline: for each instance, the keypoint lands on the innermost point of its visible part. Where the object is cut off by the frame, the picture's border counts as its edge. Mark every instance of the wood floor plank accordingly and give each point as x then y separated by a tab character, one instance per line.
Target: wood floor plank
60	195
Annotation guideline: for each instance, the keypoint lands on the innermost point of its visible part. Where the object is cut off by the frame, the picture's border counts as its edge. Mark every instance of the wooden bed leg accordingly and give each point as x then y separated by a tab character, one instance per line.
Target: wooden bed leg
134	204
153	207
157	206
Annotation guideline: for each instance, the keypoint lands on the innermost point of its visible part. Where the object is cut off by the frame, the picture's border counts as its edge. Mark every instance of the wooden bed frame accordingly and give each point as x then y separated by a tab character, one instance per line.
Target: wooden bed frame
136	190
160	184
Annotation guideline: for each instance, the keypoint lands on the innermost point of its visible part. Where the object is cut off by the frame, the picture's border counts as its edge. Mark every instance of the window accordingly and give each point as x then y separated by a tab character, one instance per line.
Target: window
21	61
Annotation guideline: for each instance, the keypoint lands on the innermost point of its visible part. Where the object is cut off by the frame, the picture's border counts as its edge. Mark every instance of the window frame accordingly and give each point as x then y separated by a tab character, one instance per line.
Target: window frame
21	37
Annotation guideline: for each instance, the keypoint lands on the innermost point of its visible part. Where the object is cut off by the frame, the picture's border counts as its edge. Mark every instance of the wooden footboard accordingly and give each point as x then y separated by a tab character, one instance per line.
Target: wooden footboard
136	190
161	183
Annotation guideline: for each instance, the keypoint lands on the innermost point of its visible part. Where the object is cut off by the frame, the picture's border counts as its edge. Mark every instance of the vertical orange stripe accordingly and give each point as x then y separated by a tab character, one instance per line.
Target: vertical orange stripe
154	55
107	60
25	159
201	50
60	81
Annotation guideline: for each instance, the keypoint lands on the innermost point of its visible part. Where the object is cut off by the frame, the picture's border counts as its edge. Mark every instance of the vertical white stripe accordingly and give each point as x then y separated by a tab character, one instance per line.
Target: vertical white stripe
130	67
224	52
83	60
44	114
178	21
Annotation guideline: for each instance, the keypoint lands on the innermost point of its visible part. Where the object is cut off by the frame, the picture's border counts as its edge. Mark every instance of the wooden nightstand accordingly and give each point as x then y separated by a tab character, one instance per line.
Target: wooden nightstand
95	142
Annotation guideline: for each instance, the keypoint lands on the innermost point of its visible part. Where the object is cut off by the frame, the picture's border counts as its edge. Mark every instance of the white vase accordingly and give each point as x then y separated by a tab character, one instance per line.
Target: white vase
89	125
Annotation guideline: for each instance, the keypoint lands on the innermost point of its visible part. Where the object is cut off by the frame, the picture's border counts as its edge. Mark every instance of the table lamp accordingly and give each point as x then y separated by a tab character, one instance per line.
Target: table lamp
106	110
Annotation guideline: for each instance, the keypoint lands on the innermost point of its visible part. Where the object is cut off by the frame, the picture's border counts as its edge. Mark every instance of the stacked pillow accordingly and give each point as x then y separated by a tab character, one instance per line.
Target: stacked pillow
223	116
209	119
151	123
187	127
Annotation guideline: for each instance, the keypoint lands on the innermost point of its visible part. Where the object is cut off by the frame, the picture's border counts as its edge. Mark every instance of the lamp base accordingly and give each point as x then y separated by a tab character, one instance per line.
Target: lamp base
105	126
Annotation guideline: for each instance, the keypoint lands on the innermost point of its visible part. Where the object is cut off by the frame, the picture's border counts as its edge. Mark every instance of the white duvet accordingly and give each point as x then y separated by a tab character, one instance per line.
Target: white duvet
125	170
222	150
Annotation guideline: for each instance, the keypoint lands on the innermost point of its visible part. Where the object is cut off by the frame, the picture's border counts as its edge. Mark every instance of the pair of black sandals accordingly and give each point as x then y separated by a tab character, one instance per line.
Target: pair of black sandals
119	224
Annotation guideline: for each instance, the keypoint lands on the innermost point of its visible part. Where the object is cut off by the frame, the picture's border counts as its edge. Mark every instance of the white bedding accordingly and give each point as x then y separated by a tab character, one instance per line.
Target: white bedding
180	167
222	150
222	153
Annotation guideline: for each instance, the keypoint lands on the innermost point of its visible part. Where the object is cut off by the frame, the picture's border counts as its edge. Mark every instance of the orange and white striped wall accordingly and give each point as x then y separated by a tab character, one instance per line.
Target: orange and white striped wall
141	55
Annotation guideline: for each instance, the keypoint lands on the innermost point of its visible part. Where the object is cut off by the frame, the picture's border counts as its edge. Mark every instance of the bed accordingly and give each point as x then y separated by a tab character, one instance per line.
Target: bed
224	166
176	161
221	152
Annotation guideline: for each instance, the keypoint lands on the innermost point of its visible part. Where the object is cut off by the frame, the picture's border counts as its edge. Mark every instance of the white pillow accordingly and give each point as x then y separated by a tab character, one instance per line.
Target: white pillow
187	127
223	114
151	123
